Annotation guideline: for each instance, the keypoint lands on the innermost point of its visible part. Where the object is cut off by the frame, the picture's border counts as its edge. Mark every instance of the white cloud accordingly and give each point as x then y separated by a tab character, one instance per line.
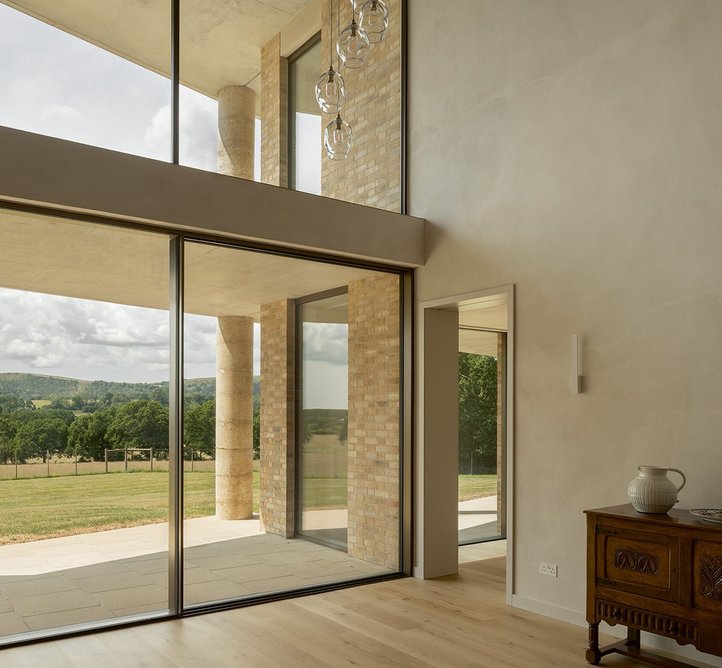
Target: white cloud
60	111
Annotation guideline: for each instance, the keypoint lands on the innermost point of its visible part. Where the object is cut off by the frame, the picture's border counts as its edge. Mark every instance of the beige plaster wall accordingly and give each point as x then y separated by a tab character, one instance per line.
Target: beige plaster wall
575	149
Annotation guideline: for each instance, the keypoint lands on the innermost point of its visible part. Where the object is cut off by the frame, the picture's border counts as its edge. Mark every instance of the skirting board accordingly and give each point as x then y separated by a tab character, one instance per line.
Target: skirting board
649	640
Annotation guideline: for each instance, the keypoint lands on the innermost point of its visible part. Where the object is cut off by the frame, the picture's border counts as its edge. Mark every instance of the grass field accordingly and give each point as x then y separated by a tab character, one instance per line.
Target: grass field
39	508
476	486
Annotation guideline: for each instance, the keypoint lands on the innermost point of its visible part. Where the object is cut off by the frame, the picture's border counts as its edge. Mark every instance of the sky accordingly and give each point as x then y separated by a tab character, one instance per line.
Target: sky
55	84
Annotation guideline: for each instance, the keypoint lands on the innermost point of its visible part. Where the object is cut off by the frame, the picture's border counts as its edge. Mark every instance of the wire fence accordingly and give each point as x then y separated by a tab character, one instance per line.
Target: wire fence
115	461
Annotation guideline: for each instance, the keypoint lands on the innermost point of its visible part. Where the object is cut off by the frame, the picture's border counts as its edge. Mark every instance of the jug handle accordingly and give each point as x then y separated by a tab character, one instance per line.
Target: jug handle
684	479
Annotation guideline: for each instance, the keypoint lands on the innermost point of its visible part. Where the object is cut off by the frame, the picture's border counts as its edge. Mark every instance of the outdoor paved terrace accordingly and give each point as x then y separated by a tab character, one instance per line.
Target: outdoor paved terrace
110	574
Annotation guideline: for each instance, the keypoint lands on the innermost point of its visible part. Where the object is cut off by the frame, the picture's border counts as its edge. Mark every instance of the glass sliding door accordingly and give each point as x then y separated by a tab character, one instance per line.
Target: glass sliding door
481	435
83	423
288	485
323	420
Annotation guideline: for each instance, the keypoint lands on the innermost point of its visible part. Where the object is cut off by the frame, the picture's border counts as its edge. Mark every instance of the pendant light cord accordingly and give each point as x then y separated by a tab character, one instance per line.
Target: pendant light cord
338	32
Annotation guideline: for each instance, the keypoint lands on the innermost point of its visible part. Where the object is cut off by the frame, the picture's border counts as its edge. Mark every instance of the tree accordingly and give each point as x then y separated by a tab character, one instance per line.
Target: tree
477	411
87	436
37	437
140	424
199	425
7	436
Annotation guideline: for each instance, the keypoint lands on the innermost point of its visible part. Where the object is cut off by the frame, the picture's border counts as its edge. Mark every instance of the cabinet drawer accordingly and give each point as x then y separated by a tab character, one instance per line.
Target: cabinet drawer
707	576
638	562
684	631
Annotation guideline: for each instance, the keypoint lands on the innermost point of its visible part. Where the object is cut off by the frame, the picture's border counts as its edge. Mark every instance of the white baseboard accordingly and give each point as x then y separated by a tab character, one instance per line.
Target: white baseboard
549	610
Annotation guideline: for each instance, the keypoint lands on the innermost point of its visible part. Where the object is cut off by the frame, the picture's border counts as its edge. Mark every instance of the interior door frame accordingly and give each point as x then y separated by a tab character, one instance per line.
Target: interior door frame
452	303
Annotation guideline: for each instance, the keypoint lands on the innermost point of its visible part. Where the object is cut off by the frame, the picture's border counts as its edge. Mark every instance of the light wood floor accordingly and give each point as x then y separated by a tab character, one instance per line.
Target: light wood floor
458	621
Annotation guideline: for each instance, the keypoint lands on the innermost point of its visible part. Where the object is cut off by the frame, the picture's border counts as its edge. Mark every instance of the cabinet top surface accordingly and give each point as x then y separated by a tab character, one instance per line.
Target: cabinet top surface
672	518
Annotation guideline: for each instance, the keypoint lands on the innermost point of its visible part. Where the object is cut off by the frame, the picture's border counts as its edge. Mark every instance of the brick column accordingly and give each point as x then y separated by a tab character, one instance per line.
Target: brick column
277	418
234	418
274	114
372	173
373	420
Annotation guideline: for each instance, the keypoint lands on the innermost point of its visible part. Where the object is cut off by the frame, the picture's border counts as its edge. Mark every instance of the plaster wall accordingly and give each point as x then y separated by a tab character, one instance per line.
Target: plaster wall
576	152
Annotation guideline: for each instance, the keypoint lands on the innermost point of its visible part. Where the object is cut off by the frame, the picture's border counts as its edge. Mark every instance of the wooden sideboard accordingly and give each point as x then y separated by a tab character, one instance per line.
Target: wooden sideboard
656	573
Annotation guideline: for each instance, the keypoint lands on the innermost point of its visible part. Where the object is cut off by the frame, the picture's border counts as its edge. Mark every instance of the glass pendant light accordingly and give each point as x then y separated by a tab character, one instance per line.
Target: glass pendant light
337	138
331	92
353	45
330	88
374	19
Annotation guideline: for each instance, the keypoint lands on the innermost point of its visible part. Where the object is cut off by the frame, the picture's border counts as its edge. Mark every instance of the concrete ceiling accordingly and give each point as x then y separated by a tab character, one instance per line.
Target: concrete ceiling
488	313
221	40
102	263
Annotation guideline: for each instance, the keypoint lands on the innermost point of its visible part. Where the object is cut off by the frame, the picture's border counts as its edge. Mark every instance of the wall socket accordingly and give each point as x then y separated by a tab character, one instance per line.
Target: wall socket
545	568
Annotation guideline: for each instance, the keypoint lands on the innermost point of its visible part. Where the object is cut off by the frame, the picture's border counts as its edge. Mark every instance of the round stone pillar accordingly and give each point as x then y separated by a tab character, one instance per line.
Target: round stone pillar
234	418
236	131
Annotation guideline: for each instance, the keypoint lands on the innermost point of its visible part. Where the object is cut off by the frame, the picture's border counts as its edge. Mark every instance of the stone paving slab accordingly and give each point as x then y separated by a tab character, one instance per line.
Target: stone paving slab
224	560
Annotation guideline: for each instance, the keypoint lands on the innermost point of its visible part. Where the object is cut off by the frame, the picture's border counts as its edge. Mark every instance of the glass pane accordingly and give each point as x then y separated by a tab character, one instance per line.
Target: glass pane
95	73
83	422
246	530
305	121
323	420
481	379
220	95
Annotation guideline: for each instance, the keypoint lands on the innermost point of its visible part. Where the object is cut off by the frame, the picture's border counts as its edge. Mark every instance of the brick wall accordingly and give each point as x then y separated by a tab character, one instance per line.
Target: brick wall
274	114
277	433
372	173
373	420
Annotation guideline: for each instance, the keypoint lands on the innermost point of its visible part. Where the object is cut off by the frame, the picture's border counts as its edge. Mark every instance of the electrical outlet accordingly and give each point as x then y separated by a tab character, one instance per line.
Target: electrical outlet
545	568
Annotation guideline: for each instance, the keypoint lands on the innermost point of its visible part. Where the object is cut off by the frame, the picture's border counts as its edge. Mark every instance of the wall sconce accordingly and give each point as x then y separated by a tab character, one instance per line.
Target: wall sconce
577	364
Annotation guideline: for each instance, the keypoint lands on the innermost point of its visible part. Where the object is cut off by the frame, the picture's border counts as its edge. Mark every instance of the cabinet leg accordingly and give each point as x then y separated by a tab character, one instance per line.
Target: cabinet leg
594	656
632	638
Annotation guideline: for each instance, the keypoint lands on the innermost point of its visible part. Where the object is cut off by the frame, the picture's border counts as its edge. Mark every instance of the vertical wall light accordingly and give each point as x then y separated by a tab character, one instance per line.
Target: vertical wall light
577	364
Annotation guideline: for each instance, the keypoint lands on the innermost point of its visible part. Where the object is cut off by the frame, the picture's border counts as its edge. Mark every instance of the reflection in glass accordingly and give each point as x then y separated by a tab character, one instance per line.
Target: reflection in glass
305	119
83	423
323	420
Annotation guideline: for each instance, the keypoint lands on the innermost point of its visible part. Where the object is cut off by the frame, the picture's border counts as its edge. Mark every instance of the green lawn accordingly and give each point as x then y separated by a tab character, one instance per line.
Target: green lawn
37	508
476	486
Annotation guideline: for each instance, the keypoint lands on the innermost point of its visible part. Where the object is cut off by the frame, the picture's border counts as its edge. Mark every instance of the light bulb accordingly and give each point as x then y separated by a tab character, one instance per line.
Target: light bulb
374	20
353	46
337	138
331	92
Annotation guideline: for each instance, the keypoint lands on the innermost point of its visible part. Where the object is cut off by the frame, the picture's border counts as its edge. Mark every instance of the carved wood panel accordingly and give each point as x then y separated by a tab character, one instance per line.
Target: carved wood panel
641	562
708	575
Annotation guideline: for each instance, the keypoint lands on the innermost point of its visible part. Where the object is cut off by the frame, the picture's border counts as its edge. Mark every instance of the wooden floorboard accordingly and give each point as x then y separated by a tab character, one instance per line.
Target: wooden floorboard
457	621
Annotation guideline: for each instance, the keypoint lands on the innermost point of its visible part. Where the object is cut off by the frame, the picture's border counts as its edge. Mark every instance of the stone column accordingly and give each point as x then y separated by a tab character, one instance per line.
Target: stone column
234	418
236	131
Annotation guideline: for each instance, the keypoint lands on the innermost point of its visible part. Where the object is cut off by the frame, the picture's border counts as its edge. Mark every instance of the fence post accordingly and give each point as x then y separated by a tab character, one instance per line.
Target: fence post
151	459
126	460
16	465
106	460
192	463
47	458
76	463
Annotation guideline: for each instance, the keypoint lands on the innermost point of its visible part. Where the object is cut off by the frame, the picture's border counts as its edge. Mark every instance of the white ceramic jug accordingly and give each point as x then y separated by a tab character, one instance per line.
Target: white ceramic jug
652	491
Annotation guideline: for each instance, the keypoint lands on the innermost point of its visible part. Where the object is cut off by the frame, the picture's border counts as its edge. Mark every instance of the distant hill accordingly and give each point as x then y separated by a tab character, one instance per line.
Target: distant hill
38	386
